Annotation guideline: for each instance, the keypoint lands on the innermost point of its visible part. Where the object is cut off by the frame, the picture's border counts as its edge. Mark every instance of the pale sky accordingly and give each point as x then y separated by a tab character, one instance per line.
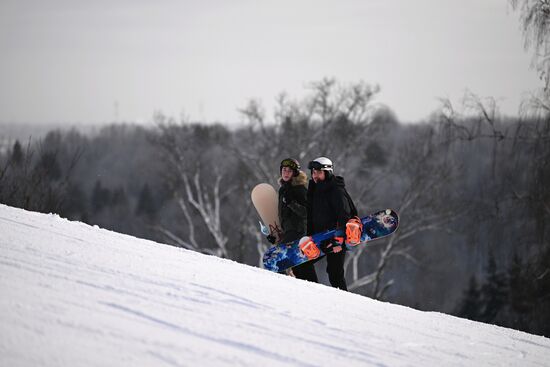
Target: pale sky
100	61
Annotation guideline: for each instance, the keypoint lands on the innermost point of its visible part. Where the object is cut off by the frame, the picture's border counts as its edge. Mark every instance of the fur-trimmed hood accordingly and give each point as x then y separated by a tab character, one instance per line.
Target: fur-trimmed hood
300	180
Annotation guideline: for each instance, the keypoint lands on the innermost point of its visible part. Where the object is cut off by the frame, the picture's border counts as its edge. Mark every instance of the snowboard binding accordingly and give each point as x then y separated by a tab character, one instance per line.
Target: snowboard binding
354	228
309	248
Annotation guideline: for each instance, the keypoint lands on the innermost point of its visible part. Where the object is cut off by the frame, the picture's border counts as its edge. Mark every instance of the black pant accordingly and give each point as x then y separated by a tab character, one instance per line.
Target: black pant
306	271
335	270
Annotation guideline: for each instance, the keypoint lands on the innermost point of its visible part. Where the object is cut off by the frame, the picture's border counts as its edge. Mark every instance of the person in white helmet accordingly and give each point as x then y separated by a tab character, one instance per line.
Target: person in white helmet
329	207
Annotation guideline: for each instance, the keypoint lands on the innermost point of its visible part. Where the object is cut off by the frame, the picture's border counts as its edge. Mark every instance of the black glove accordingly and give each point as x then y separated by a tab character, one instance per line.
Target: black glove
329	245
271	238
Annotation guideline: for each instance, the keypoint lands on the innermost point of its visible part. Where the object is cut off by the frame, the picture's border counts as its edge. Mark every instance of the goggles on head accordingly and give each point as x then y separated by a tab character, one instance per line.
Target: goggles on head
290	163
319	166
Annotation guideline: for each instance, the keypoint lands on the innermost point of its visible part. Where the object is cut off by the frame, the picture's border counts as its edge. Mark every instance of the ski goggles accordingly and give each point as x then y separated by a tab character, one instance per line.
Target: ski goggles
318	166
290	163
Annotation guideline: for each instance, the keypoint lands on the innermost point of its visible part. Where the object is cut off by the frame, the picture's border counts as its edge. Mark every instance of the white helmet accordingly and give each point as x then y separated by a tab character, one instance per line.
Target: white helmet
321	164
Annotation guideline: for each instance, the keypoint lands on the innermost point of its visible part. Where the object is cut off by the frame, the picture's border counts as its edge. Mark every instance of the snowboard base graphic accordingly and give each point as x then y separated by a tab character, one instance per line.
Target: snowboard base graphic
282	257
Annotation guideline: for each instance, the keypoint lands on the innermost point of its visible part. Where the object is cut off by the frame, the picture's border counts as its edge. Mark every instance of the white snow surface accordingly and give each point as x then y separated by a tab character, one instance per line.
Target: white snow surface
76	295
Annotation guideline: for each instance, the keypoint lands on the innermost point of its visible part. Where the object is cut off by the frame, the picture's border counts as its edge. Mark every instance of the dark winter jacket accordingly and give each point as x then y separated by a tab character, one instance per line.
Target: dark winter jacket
328	205
292	207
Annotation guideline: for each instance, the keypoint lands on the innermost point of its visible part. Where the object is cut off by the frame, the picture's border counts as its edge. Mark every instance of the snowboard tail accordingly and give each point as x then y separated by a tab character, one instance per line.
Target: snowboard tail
265	200
282	257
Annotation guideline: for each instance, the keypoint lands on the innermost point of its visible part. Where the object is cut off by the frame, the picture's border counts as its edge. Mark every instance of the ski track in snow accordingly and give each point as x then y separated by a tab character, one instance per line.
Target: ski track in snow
77	295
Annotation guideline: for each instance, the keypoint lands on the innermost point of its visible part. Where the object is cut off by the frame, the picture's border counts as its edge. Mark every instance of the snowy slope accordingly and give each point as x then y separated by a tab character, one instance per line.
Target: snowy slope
75	295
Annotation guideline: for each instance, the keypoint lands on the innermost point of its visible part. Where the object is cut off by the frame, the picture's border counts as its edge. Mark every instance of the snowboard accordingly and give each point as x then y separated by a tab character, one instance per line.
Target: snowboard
282	257
266	201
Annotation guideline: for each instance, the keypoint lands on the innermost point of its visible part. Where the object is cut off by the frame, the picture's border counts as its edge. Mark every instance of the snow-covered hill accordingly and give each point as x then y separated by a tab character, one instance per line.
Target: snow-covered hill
75	295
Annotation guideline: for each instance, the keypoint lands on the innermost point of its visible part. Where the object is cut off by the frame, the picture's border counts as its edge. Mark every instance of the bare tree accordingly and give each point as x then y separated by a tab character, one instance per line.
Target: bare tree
340	119
425	177
535	20
194	192
257	146
34	178
332	120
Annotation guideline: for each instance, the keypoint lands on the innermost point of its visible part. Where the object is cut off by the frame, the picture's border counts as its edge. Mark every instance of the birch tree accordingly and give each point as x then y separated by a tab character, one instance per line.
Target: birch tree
198	188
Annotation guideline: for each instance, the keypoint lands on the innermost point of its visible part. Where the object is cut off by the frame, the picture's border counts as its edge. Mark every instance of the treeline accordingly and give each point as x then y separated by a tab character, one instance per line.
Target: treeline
473	193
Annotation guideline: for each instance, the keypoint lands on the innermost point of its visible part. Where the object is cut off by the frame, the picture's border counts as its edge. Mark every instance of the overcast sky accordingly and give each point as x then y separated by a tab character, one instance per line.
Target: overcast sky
106	60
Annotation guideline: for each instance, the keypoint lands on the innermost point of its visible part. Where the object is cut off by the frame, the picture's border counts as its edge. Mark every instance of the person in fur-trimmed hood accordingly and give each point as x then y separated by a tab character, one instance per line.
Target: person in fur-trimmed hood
293	211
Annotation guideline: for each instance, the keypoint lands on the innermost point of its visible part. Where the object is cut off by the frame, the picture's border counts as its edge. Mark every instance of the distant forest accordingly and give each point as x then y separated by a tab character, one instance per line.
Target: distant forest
472	189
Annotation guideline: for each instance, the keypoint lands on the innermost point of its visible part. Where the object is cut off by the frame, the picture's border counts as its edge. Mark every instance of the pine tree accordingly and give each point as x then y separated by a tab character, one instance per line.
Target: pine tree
48	166
493	292
101	197
76	204
146	204
17	155
119	197
470	307
541	312
518	286
520	295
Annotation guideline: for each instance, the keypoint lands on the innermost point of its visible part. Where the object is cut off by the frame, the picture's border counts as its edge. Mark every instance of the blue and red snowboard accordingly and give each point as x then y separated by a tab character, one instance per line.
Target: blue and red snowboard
282	257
